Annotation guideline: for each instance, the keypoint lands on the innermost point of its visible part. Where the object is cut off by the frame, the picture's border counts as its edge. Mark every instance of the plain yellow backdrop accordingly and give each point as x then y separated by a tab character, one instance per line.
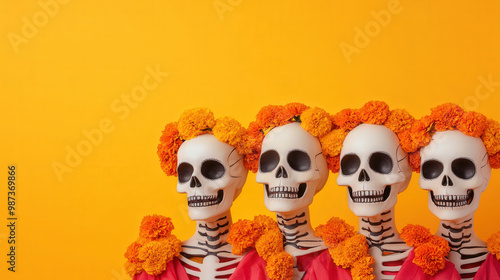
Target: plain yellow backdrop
69	68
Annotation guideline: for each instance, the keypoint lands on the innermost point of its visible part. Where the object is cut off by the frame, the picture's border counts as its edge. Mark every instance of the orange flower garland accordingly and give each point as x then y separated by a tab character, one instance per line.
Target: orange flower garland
191	124
347	248
430	250
263	234
494	245
155	247
450	116
314	120
373	112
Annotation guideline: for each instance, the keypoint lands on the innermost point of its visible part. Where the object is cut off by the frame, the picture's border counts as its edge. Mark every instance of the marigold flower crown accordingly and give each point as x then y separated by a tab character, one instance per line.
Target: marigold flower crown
313	119
373	112
192	123
450	116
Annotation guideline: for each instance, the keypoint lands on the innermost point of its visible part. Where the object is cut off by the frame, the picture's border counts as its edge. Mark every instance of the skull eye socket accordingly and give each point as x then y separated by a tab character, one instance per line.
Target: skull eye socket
463	168
381	163
299	160
268	161
349	164
431	169
184	172
212	169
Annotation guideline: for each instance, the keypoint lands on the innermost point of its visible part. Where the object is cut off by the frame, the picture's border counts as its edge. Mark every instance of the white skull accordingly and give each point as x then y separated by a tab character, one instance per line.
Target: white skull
211	173
292	168
455	170
375	169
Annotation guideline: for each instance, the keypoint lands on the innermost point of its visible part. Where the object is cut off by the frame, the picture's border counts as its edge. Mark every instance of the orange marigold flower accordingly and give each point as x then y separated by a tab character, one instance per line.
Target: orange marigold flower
495	161
242	236
270	243
132	253
333	163
195	122
349	251
362	270
347	119
472	124
334	231
491	137
316	121
429	258
494	245
290	111
155	226
280	266
168	147
157	254
229	131
406	141
374	112
332	142
399	120
251	161
446	116
133	268
420	132
415	160
266	223
415	235
267	117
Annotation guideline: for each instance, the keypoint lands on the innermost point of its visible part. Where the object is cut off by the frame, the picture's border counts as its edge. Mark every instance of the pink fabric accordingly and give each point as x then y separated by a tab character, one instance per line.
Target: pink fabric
489	270
174	271
409	270
323	268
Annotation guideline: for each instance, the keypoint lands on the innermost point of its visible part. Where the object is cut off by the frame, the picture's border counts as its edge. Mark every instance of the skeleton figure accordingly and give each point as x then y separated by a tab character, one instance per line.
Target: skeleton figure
293	169
375	170
212	174
455	170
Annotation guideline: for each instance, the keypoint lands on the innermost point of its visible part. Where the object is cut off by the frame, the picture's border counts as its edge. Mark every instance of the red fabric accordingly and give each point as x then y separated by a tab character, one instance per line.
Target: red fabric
409	270
251	267
174	271
318	265
489	270
323	268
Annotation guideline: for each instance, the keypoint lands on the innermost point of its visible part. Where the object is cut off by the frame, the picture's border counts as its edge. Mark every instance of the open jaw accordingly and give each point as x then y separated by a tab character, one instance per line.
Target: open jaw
205	200
370	196
286	192
452	200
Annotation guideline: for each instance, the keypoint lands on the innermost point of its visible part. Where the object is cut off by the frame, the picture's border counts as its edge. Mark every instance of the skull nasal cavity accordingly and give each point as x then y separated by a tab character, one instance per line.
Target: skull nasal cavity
447	181
363	176
195	183
281	173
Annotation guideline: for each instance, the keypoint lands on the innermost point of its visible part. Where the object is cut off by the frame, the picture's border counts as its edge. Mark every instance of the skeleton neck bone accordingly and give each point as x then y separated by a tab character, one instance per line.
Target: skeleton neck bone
207	255
298	236
385	245
468	252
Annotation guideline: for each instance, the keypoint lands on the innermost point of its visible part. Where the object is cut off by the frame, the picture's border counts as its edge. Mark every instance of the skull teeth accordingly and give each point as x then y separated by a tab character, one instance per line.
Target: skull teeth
283	192
205	200
369	196
452	200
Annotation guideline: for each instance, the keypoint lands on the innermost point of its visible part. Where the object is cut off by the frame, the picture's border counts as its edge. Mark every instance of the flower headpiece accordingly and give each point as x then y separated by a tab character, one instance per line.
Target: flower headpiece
264	235
316	121
373	112
192	123
155	247
450	116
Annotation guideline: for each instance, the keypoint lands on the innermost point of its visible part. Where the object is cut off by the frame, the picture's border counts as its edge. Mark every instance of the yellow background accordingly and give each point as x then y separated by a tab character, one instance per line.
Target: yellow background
66	76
